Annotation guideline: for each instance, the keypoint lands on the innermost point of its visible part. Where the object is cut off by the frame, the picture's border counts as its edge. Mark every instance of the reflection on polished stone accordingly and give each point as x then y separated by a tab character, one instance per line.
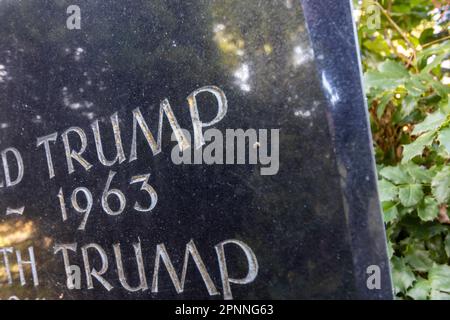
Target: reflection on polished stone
184	150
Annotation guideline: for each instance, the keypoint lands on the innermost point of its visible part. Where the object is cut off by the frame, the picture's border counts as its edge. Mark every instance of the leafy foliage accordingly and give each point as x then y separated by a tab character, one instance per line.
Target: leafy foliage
405	51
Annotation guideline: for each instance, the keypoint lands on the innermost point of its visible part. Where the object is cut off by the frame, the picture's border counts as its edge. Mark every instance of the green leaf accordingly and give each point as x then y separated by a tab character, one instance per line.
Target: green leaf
390	211
428	209
439	276
436	247
383	103
437	49
393	69
420	174
389	75
437	60
444	106
375	79
440	185
427	35
418	259
415	86
444	139
377	45
424	231
441	90
408	105
416	147
431	122
402	275
390	250
387	190
439	295
420	290
410	195
396	174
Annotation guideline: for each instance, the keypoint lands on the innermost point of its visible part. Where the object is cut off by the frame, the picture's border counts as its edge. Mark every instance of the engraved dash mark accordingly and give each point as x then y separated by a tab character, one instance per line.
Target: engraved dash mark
18	211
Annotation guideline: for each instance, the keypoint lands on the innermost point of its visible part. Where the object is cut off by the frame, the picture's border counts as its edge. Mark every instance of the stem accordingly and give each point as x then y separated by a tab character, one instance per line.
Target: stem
435	41
400	31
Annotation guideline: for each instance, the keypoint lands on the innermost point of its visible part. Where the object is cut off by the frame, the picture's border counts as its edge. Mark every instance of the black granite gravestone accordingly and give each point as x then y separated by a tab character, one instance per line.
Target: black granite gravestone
159	149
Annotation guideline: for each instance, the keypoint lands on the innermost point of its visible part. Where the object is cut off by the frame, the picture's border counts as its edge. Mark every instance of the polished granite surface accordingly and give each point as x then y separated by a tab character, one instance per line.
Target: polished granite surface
120	214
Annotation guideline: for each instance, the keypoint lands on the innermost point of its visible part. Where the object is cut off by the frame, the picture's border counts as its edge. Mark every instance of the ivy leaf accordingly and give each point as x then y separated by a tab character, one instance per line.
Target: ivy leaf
420	290
390	211
420	174
439	276
408	105
437	60
410	195
428	209
377	45
396	174
424	231
390	249
389	75
438	49
440	89
402	275
444	139
393	69
427	35
440	185
431	122
387	190
416	148
383	103
444	106
439	295
418	259
436	247
414	86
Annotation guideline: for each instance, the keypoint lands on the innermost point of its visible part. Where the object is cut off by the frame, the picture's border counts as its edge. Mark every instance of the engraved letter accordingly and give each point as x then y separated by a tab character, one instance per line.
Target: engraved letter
71	154
20	168
226	280
156	145
5	252
94	273
222	106
161	252
45	140
98	142
140	264
31	262
67	266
